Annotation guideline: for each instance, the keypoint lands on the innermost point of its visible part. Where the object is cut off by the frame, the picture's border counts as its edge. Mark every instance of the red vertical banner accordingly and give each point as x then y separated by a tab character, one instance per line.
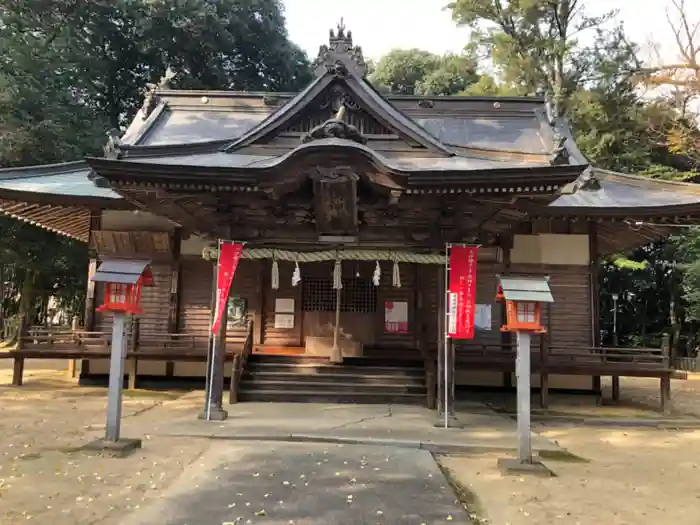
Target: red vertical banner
462	292
229	256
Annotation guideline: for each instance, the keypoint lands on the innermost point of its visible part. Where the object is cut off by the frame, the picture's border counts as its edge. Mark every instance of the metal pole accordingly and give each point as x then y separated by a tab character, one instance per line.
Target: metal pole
614	321
522	372
212	354
446	342
116	376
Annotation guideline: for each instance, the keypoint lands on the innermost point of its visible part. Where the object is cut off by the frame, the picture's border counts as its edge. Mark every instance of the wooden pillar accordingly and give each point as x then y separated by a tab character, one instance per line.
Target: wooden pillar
259	308
615	388
174	300
419	320
95	224
72	363
18	365
506	337
440	340
544	358
666	378
594	256
133	345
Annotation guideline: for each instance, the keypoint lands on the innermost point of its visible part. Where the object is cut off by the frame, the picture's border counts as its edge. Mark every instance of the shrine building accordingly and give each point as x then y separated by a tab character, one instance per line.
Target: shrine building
343	176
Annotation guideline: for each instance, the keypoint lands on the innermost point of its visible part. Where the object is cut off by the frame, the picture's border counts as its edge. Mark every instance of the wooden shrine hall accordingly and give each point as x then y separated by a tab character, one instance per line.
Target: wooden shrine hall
343	176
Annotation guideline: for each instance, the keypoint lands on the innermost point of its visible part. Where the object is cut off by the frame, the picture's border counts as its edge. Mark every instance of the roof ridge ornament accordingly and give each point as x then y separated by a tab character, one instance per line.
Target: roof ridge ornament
340	57
151	99
335	128
112	150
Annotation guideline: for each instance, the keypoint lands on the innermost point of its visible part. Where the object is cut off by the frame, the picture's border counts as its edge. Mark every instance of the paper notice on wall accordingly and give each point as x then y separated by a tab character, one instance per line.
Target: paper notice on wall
284	321
284	306
396	317
482	317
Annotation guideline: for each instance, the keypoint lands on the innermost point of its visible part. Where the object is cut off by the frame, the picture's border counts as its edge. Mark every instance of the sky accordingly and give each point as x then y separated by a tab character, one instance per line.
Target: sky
381	25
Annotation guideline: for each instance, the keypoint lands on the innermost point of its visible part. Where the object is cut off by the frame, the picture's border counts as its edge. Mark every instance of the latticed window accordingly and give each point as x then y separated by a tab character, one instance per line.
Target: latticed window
357	295
526	312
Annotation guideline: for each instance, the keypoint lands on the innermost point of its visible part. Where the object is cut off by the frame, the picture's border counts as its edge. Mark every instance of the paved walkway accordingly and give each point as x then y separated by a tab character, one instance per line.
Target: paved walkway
395	425
309	484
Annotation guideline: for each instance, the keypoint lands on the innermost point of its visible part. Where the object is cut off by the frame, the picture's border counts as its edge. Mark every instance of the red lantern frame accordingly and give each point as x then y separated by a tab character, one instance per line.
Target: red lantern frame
532	309
125	297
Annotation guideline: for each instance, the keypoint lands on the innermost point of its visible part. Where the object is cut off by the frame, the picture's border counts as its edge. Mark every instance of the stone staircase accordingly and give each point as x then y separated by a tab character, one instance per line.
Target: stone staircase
301	379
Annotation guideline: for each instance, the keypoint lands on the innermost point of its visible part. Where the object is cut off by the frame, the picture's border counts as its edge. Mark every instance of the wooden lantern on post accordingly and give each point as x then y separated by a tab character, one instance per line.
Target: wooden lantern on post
523	297
124	280
123	283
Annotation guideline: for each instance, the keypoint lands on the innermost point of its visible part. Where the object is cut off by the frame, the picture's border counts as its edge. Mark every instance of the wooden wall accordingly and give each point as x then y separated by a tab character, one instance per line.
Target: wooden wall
196	298
571	312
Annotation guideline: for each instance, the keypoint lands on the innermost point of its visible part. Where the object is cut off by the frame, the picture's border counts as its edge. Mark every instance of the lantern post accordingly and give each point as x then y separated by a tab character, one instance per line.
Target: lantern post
523	297
123	281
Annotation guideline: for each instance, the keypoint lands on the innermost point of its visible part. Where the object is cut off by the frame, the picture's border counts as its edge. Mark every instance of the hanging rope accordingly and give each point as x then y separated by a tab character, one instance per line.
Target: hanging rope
377	275
275	278
337	276
343	255
209	253
296	276
396	276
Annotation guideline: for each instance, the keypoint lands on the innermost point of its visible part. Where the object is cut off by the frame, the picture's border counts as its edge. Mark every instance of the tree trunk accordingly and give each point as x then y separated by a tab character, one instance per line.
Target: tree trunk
2	300
675	328
26	300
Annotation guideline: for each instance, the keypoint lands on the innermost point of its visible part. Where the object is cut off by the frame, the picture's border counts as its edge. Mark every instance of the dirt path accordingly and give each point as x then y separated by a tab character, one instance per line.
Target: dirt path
43	479
631	475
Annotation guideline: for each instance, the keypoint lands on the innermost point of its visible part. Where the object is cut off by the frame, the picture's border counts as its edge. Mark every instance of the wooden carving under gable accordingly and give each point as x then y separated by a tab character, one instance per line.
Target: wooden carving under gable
326	106
335	200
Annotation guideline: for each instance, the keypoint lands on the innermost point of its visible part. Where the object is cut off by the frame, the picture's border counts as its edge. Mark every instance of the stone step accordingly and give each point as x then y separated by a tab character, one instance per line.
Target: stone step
322	377
333	387
312	368
311	396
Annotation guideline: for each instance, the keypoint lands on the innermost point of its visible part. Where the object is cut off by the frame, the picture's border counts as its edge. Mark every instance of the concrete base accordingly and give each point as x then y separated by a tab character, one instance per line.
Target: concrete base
452	422
117	449
513	467
215	414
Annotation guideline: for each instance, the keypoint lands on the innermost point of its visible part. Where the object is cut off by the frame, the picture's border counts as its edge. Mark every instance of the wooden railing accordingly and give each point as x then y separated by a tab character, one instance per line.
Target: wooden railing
565	360
238	364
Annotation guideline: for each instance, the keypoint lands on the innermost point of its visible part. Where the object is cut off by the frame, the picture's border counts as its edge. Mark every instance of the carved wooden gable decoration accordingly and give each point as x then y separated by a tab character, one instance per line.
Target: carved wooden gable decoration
335	201
327	105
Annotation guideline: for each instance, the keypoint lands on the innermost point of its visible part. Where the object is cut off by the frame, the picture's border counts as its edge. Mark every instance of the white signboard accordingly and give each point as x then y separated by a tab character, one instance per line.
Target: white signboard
284	306
482	317
284	321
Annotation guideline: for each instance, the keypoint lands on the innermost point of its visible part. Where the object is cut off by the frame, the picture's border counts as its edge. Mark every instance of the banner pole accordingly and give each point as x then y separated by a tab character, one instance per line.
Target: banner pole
447	332
212	360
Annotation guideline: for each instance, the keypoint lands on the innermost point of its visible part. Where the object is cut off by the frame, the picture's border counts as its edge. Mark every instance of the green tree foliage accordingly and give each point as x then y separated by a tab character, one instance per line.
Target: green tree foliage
589	67
112	49
533	43
71	70
416	72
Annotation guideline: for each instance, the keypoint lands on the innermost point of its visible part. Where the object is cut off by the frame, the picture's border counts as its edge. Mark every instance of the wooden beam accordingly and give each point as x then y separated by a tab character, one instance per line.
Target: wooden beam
174	300
594	288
